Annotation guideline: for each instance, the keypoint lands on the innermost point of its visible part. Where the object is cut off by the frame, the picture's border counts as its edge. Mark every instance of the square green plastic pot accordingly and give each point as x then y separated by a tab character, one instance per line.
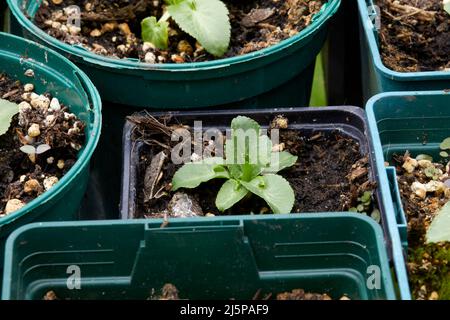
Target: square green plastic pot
405	121
229	81
376	77
336	253
58	76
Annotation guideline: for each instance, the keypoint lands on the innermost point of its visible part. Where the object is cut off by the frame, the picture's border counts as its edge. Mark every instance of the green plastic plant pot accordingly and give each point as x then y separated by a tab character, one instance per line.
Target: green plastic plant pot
58	76
376	77
193	85
333	253
399	121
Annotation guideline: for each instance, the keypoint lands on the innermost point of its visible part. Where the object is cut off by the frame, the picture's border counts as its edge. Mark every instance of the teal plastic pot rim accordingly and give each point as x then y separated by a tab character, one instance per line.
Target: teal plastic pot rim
88	149
89	57
374	49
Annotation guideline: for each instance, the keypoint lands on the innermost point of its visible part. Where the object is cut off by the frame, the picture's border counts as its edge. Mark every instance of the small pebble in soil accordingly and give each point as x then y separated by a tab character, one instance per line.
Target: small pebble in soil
34	130
280	122
49	182
31	186
60	164
28	87
182	206
13	205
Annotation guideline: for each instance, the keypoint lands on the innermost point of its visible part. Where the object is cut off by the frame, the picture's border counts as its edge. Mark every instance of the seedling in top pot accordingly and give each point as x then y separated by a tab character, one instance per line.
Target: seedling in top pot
250	166
205	20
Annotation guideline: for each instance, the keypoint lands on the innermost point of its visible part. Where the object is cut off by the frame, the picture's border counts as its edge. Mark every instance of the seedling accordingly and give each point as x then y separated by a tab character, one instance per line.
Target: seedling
249	167
7	111
445	145
205	20
364	205
34	151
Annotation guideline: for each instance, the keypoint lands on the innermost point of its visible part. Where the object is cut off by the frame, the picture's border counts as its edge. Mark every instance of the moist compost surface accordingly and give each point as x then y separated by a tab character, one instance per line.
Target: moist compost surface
112	28
429	272
414	35
329	175
20	177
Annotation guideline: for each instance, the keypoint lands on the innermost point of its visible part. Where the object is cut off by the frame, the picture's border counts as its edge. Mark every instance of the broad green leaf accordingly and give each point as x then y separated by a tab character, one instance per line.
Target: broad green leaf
245	123
445	144
275	190
7	111
447	6
443	154
439	229
424	157
229	194
205	20
280	161
264	150
192	174
155	32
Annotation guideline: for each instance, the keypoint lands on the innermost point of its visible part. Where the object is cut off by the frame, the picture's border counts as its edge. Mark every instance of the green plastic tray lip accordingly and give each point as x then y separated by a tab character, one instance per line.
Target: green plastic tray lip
378	233
86	154
376	56
326	13
398	256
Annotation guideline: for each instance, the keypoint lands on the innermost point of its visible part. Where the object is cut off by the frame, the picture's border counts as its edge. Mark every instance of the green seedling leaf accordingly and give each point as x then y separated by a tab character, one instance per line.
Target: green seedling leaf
155	32
443	154
366	197
192	174
376	215
360	208
439	229
447	6
229	194
353	209
275	190
7	111
424	157
431	172
205	20
280	161
445	145
28	149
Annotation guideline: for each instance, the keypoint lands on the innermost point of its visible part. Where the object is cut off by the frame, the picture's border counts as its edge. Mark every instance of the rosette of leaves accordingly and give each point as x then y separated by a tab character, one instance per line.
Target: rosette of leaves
205	20
250	167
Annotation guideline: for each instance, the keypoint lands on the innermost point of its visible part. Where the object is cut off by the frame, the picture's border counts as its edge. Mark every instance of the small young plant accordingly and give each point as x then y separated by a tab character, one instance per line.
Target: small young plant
445	146
7	111
205	20
34	151
364	205
250	166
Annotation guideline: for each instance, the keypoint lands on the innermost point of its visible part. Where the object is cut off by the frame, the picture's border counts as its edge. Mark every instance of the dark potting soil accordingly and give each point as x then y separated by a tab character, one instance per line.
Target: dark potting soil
428	264
113	28
20	177
170	292
330	174
415	35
